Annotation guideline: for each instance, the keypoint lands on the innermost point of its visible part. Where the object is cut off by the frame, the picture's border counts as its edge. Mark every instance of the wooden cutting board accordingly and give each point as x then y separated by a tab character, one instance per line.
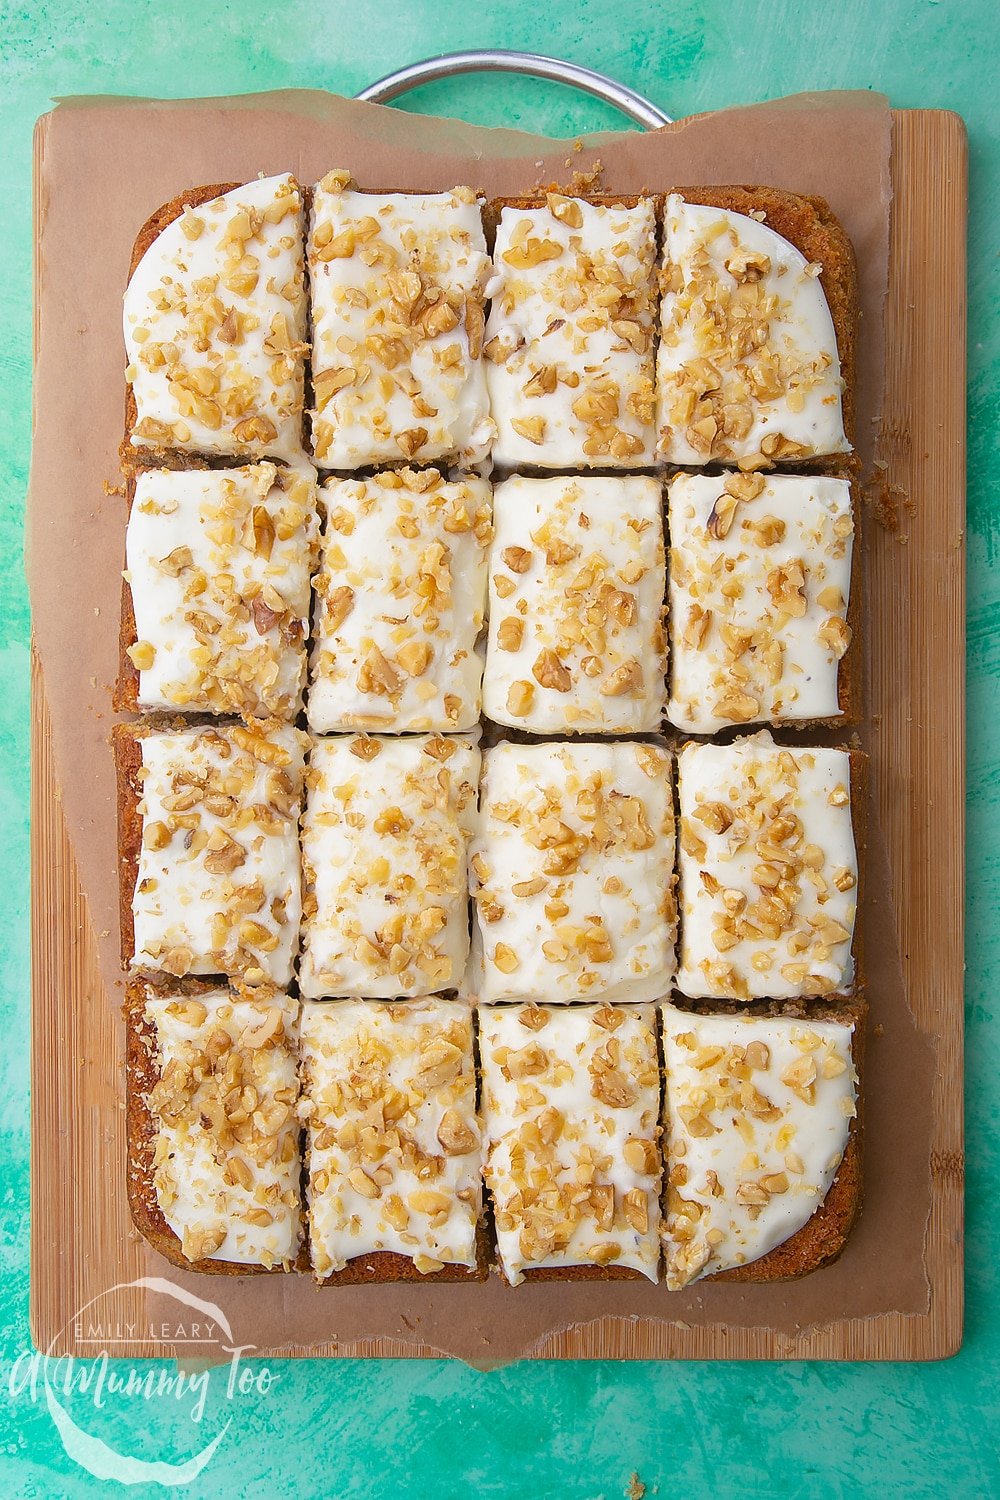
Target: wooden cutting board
82	1240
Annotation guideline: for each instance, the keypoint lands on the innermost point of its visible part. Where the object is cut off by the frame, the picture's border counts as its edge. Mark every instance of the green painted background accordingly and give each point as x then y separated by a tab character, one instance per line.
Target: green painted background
542	1431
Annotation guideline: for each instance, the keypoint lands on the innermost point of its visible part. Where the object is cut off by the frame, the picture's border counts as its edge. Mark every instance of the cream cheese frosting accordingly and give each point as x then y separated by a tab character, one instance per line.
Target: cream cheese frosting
760	579
385	859
218	887
397	283
747	366
226	1173
768	870
393	1144
569	340
571	1102
400	603
572	869
757	1115
577	583
215	326
218	562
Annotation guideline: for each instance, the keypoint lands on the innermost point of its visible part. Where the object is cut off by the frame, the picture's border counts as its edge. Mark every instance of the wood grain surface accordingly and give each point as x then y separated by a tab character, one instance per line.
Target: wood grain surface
83	1242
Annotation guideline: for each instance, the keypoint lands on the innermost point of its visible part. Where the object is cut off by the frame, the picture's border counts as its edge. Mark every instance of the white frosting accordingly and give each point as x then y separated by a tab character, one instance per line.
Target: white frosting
401	600
218	564
577	582
384	852
569	340
768	870
747	366
757	1118
573	873
393	1148
397	284
760	577
218	885
571	1099
215	326
226	1175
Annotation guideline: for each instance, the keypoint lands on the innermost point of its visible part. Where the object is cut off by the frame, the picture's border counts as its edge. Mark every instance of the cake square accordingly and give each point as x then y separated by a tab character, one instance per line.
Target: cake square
760	583
573	873
569	340
392	1141
758	1113
768	869
215	324
210	878
400	603
213	1182
385	859
397	283
215	609
571	1099
748	369
577	585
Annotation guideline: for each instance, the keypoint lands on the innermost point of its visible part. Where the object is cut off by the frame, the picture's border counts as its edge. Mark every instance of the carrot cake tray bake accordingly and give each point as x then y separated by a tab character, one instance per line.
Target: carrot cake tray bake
491	830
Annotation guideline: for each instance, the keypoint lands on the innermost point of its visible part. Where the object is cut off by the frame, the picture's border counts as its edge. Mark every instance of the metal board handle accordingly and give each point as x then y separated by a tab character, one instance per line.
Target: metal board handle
495	60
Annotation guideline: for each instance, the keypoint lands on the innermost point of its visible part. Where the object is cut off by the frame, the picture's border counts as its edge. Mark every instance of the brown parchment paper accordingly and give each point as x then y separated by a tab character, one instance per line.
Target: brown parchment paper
103	165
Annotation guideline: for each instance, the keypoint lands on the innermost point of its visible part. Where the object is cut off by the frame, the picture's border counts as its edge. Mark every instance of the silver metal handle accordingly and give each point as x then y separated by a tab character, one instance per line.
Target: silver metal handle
450	64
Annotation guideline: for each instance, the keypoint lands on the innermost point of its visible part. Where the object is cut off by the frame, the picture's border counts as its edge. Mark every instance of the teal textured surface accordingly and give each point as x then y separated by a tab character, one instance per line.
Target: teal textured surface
349	1429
